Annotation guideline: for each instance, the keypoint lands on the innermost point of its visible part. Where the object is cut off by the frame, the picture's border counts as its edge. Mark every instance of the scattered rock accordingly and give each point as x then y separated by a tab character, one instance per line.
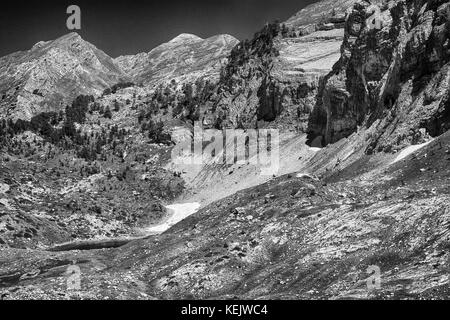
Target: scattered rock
268	198
239	211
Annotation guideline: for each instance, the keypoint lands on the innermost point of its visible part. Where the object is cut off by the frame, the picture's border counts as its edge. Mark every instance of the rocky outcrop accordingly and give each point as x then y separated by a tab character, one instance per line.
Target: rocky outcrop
273	79
392	78
52	74
186	57
282	90
322	12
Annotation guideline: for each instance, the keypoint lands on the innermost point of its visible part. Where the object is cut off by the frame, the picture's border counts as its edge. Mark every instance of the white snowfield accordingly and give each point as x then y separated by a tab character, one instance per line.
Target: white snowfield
410	150
307	175
179	212
4	188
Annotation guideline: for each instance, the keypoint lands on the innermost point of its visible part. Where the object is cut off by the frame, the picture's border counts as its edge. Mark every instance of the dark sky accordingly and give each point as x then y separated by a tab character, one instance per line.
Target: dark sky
132	26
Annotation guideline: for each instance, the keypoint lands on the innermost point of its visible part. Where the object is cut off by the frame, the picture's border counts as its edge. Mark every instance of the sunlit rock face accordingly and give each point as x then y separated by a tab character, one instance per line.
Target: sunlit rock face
273	79
186	57
52	74
393	79
330	11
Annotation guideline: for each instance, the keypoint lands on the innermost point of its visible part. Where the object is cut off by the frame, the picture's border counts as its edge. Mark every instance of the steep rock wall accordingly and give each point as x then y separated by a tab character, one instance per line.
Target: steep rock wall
393	79
273	79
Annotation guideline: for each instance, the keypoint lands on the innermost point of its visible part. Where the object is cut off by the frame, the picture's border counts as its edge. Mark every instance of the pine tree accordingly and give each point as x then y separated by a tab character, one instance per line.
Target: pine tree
108	113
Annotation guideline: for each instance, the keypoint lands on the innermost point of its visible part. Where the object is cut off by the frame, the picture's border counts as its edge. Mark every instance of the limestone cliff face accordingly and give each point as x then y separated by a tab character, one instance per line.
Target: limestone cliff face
392	79
52	74
273	79
325	11
184	59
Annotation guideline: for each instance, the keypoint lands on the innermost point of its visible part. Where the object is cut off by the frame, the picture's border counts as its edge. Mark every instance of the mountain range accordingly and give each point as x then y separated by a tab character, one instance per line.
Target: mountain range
53	73
89	174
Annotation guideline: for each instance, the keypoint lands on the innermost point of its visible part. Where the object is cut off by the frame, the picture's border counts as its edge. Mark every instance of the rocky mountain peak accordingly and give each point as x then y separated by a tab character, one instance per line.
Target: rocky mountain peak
185	37
64	42
51	74
187	56
69	37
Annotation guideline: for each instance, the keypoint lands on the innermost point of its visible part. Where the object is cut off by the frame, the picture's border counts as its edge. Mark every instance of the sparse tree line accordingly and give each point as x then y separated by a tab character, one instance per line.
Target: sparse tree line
174	102
59	129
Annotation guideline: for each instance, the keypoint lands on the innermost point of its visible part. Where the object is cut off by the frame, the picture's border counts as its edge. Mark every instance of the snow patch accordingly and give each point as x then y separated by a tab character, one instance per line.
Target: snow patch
179	212
410	150
307	176
4	188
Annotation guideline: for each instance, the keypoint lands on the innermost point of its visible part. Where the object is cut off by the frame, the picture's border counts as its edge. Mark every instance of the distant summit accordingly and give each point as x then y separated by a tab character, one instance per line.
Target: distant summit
52	74
185	37
186	56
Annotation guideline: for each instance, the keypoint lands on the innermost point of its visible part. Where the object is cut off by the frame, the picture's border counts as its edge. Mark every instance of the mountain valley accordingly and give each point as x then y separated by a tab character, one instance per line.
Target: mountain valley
90	173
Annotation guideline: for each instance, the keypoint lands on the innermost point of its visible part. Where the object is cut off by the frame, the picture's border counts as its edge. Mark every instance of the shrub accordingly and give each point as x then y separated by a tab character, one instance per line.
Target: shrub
117	87
108	113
